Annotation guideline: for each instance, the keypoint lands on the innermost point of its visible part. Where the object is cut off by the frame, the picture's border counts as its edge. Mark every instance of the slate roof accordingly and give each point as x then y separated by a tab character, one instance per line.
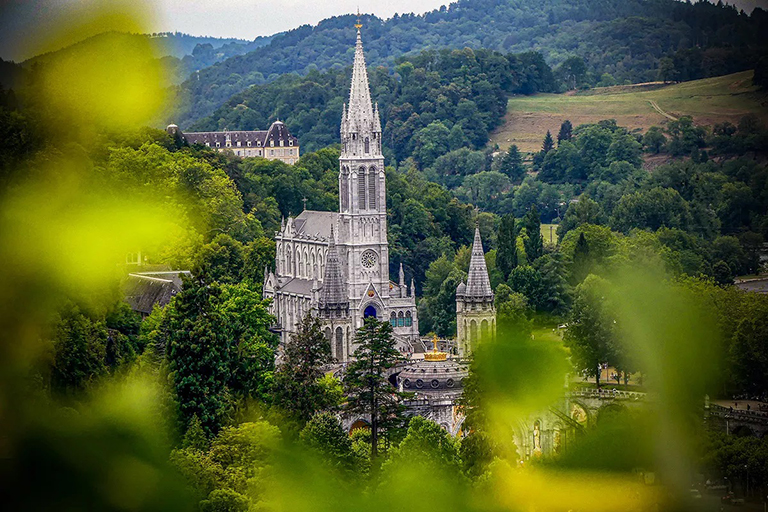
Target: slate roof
298	286
144	290
315	223
259	139
478	283
334	293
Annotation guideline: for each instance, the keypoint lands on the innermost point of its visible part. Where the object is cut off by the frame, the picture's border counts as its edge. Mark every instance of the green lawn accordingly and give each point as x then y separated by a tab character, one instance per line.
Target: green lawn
547	231
711	100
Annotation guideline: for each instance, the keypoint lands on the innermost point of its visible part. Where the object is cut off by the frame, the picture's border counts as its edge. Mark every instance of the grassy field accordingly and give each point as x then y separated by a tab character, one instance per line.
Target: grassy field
549	232
711	100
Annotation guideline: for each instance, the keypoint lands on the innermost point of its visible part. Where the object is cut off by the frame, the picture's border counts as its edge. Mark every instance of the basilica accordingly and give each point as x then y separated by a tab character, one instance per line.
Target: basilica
336	264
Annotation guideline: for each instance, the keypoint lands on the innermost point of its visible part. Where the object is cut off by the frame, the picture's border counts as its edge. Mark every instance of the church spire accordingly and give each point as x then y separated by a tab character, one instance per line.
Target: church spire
333	293
360	115
478	283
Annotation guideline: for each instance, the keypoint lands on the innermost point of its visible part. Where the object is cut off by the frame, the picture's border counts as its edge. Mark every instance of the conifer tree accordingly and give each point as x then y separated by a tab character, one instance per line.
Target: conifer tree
566	132
298	389
199	354
367	388
506	254
512	164
534	246
548	144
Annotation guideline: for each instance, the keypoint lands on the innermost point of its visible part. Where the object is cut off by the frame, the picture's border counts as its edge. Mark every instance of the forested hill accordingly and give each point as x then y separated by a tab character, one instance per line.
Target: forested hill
625	38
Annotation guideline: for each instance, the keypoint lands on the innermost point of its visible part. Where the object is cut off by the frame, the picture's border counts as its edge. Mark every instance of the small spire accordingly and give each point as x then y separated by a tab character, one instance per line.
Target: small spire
333	293
413	288
478	283
402	275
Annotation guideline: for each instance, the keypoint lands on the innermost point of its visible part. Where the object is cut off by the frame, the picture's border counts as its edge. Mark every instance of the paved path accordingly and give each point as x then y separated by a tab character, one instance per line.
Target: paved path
657	108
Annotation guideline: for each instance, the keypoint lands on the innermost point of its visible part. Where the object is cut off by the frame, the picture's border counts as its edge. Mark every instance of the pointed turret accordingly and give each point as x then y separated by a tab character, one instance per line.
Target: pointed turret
478	283
413	288
360	109
333	293
402	275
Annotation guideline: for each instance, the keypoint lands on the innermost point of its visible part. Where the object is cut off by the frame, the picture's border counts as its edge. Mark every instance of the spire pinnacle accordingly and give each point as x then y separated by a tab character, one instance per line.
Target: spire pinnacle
478	283
332	294
402	275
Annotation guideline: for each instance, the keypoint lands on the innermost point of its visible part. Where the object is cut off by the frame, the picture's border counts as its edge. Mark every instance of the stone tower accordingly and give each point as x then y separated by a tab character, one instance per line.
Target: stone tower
475	312
363	246
333	306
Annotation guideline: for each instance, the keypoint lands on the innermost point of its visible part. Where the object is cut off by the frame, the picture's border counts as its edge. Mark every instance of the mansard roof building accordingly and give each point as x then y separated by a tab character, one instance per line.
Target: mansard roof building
336	264
276	143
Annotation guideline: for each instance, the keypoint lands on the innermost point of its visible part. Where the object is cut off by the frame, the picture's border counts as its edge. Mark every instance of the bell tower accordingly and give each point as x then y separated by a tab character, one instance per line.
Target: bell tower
362	194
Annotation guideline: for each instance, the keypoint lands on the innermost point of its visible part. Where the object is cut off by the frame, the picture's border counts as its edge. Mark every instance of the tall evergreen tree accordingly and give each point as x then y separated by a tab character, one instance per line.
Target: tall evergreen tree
566	132
581	260
366	385
506	254
512	164
297	386
199	354
534	245
548	144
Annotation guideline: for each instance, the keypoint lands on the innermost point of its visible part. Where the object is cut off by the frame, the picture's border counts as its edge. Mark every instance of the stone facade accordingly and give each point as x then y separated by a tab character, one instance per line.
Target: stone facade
475	312
276	143
357	237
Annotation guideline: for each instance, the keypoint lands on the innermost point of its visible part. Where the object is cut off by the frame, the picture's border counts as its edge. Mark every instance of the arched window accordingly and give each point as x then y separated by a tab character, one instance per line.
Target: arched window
367	146
372	177
400	319
408	319
288	267
393	319
361	187
345	189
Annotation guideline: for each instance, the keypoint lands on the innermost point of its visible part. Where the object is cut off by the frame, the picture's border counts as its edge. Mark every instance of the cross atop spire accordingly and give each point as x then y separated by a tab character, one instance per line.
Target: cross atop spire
358	25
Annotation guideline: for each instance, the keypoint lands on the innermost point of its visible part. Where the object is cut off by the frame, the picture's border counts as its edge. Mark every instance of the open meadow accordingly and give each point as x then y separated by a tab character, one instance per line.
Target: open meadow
708	101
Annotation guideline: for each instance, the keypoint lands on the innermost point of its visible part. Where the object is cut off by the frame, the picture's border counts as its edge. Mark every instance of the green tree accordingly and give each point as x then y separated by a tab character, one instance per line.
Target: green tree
591	331
366	385
573	72
199	354
512	164
565	133
548	144
222	259
506	254
79	351
324	435
654	140
583	211
427	447
298	389
534	246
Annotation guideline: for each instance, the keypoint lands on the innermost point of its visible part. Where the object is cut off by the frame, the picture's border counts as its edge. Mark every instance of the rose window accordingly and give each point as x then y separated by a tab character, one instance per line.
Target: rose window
368	260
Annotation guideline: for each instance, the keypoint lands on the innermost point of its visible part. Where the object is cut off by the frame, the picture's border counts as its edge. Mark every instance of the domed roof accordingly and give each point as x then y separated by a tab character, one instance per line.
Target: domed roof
433	376
461	289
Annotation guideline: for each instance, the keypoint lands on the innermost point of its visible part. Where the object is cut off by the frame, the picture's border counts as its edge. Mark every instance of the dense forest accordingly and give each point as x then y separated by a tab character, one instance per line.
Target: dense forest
628	41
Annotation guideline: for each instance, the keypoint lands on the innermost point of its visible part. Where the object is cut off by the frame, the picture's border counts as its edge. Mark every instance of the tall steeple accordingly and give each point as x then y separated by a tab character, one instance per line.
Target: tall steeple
360	123
478	283
360	110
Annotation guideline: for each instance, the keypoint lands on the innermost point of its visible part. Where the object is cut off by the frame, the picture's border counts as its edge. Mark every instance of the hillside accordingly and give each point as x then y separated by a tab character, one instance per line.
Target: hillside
609	36
182	54
708	101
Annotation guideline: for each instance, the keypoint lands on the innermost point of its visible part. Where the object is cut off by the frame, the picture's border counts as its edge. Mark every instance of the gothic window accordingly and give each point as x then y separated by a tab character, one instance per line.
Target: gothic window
361	187
372	188
345	189
400	319
393	319
367	145
368	259
408	319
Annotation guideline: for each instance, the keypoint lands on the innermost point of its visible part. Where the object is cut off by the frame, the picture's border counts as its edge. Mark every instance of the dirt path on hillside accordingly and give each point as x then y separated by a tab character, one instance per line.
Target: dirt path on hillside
657	108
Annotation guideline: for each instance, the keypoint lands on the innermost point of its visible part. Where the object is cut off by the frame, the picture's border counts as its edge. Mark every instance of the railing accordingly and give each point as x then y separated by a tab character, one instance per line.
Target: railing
727	412
608	394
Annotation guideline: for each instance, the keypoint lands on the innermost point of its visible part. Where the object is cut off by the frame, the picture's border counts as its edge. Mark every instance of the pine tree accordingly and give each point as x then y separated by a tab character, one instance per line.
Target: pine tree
566	131
581	260
298	389
506	254
512	164
548	144
367	388
199	351
534	245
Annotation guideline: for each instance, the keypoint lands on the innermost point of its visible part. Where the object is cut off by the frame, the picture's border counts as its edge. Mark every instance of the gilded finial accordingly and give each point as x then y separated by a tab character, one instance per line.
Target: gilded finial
435	355
358	25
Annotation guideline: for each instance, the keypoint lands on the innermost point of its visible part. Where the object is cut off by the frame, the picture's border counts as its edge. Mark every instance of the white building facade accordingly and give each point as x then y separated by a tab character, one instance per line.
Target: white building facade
356	283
